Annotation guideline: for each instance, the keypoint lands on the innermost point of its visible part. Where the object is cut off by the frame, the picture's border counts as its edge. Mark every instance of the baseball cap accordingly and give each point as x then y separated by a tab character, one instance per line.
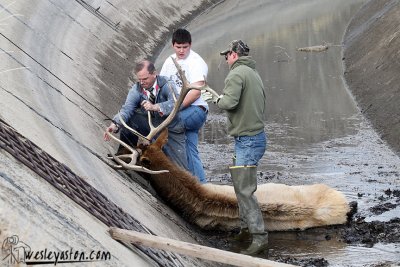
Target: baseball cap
237	46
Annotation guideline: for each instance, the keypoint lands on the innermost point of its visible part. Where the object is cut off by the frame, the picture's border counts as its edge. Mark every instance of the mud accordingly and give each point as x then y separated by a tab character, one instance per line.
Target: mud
361	231
357	232
334	144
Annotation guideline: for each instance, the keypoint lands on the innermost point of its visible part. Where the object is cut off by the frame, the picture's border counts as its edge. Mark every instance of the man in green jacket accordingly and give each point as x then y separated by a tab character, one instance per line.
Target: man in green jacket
243	99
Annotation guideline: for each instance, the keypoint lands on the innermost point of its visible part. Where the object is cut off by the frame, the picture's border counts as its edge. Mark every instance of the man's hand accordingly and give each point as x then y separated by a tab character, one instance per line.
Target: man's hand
113	128
148	106
210	97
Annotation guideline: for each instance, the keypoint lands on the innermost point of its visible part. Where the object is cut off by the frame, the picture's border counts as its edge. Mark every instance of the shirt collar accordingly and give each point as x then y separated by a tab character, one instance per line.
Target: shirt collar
155	88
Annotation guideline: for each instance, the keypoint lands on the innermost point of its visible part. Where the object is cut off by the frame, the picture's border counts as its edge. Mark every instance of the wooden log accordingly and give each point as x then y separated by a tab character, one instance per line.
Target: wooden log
190	249
316	48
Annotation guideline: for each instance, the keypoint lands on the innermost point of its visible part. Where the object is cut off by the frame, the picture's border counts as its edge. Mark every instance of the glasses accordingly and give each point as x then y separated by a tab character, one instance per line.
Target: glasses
227	55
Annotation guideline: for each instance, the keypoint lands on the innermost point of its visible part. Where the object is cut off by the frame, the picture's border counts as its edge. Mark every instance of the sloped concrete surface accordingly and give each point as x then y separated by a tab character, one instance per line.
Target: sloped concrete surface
372	62
64	69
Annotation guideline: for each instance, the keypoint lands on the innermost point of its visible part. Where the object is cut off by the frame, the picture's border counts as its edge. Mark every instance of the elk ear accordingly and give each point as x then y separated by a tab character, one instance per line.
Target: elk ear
162	138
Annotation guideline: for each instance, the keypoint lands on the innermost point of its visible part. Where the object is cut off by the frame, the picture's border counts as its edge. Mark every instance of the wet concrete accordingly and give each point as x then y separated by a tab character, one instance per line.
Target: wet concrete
317	133
372	62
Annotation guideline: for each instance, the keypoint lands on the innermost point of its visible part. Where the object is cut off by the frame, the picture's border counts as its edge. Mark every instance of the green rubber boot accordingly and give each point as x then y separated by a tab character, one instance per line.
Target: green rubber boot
244	180
243	235
259	244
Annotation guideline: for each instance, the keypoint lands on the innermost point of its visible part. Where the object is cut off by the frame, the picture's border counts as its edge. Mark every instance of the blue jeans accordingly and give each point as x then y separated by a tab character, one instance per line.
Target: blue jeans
193	119
250	149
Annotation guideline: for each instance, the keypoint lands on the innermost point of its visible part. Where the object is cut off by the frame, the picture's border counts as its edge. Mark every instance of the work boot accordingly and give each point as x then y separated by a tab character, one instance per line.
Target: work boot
243	235
259	244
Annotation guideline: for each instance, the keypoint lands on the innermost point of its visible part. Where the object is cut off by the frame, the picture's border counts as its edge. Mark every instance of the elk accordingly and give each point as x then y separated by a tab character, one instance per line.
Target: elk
215	207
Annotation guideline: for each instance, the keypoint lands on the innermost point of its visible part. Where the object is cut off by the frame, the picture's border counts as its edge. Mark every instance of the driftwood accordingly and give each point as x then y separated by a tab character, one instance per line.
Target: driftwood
316	48
192	250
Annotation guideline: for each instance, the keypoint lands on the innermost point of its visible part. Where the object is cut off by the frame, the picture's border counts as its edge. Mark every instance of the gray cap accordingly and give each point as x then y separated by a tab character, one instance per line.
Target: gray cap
237	46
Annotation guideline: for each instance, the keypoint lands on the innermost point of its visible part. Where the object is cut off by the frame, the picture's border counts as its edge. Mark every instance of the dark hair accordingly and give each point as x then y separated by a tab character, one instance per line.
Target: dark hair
143	64
181	36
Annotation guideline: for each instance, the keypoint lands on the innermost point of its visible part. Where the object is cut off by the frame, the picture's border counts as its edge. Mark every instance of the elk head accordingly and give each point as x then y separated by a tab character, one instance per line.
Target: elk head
145	141
149	152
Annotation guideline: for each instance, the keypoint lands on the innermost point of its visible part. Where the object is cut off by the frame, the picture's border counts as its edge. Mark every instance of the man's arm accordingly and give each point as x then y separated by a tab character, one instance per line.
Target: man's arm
165	107
193	95
126	111
231	93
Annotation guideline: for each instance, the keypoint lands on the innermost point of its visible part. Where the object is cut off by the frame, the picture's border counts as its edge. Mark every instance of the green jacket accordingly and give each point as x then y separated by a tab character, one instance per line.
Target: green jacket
244	98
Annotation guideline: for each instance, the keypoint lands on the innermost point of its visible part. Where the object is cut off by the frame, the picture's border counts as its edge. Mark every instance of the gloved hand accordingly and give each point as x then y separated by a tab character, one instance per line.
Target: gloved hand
209	97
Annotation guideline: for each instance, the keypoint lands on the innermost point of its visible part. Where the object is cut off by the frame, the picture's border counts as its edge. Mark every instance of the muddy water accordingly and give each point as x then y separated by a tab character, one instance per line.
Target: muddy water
316	132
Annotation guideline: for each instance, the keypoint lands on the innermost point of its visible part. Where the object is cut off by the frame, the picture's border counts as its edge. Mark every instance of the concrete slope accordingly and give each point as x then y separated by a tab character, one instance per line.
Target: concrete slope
65	68
372	61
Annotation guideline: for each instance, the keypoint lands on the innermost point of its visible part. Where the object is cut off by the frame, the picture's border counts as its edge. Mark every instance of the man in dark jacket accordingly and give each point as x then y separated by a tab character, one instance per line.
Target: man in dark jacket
243	99
151	93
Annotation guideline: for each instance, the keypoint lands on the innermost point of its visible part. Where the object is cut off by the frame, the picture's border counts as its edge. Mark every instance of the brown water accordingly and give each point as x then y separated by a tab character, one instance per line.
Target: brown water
316	132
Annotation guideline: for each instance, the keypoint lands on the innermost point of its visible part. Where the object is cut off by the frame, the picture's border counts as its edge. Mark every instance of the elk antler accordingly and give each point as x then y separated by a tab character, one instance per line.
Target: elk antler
131	165
186	87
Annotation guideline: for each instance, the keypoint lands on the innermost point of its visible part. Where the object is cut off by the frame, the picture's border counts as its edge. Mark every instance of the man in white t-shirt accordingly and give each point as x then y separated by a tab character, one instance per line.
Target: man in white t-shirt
194	109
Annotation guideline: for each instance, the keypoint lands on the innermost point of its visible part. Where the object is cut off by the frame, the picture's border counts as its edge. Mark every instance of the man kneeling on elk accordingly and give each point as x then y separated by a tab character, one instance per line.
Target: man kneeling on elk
154	94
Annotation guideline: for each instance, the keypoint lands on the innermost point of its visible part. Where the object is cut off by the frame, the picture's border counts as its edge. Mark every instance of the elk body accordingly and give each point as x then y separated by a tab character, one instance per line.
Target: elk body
212	206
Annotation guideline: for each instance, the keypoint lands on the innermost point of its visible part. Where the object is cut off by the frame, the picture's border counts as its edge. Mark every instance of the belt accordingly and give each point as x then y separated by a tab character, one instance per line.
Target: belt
203	108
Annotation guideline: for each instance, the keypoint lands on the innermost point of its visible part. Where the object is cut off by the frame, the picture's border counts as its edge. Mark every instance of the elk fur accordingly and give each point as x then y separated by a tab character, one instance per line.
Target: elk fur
215	207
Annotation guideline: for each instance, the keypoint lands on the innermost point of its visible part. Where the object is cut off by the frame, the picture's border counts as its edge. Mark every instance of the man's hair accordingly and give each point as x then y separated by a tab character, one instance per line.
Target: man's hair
181	36
143	64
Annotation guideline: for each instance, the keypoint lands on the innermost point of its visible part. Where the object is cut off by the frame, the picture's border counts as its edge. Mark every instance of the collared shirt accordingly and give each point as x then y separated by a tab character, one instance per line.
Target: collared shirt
137	94
154	89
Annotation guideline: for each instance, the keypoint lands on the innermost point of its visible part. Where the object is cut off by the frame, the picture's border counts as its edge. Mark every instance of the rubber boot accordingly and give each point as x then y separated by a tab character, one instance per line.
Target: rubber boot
245	184
259	244
243	235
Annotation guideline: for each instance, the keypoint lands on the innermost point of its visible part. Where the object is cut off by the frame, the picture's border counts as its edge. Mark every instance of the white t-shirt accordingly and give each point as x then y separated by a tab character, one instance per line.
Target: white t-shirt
195	69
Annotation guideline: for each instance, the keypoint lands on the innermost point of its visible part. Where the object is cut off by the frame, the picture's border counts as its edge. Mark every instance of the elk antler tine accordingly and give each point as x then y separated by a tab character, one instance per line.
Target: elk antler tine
208	89
132	164
187	87
130	129
172	91
119	141
115	158
133	167
149	120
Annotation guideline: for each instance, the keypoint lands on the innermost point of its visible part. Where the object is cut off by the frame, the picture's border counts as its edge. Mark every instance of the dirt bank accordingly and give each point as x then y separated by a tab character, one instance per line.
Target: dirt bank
372	66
